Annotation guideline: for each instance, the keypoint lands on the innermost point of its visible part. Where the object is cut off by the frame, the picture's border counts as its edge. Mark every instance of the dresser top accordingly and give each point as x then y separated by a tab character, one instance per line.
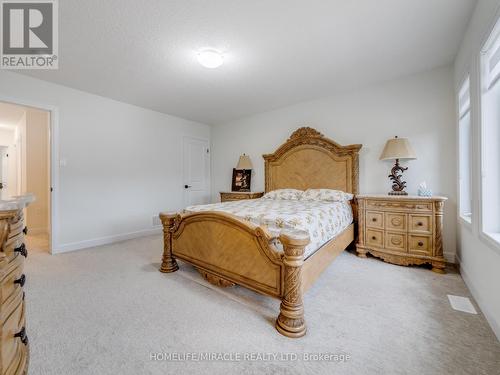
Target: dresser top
17	202
401	197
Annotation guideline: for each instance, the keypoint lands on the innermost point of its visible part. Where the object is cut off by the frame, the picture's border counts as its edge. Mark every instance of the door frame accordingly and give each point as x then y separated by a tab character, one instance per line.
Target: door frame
53	163
209	166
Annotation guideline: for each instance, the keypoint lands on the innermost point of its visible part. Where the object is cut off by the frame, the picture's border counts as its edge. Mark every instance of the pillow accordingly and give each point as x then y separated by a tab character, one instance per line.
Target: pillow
284	194
328	195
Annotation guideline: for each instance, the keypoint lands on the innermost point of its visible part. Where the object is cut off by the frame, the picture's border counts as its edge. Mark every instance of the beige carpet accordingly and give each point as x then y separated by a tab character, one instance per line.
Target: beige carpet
105	310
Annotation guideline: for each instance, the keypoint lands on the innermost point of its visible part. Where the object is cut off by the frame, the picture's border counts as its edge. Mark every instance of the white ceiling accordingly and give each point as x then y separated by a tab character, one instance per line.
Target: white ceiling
280	52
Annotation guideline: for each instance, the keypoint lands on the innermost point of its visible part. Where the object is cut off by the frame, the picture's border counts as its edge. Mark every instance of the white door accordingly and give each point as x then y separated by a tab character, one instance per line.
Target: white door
196	171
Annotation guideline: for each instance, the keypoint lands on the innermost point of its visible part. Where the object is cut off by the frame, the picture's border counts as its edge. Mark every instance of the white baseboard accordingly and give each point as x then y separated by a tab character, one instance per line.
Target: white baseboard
64	248
490	317
450	257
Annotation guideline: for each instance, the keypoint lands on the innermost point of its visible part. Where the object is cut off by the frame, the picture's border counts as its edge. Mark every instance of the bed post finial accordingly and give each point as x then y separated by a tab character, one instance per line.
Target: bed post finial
168	264
291	321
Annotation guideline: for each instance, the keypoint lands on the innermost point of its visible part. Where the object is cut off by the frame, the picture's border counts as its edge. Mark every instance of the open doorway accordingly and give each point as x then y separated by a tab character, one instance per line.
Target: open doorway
25	167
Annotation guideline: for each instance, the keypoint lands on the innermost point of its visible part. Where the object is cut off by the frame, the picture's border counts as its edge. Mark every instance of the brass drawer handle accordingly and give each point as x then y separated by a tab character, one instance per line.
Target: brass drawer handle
22	335
22	250
21	281
25	230
420	243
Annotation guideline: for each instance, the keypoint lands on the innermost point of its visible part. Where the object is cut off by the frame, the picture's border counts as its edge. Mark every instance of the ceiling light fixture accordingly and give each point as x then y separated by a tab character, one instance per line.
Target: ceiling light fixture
210	58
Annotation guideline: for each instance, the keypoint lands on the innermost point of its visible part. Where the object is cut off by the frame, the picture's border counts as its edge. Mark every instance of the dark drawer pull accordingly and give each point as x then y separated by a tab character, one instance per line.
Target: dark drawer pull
25	230
22	335
21	280
420	224
374	219
22	249
420	243
374	238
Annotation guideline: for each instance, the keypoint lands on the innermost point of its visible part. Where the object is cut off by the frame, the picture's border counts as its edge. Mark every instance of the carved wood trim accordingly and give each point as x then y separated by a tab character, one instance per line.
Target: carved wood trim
170	221
308	147
291	321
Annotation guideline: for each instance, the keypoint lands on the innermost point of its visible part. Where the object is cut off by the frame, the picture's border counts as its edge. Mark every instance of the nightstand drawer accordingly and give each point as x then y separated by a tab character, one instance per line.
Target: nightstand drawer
395	221
395	241
236	196
420	245
375	237
420	223
375	219
398	205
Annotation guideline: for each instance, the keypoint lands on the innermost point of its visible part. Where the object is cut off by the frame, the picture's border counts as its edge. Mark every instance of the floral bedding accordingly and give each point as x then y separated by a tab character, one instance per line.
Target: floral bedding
323	220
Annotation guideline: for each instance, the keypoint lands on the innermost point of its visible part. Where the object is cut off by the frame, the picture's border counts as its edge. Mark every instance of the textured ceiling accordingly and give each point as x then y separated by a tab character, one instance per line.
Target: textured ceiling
278	52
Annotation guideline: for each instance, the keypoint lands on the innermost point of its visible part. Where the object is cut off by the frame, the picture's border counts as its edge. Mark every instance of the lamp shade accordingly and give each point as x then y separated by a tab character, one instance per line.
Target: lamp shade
398	148
244	162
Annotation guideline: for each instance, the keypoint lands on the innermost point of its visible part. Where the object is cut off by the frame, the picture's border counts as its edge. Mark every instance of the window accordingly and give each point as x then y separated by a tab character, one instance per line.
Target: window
465	152
490	135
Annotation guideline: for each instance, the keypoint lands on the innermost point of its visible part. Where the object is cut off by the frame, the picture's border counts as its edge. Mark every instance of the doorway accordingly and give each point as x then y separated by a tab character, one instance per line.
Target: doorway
25	167
196	163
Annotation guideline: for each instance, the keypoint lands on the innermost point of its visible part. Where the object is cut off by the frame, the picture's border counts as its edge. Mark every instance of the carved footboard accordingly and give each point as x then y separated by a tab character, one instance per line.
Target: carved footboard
227	250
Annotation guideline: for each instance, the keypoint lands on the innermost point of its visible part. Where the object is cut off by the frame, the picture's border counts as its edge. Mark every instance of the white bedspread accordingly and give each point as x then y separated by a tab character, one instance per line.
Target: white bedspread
322	220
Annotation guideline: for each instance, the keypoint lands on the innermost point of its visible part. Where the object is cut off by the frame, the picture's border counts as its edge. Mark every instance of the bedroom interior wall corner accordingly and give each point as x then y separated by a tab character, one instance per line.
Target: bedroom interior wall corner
99	176
420	107
479	261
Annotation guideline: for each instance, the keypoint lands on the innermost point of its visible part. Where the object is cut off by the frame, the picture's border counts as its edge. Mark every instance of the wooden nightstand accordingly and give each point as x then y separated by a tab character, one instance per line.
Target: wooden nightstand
239	195
402	230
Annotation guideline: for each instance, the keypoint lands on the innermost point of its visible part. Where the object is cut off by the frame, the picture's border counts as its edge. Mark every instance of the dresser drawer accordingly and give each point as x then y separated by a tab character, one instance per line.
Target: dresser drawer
395	241
375	219
15	246
16	228
397	205
420	223
12	326
395	221
13	278
420	245
375	237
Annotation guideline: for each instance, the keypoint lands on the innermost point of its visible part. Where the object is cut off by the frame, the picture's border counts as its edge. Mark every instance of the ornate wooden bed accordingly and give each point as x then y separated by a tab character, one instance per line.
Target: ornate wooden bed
227	250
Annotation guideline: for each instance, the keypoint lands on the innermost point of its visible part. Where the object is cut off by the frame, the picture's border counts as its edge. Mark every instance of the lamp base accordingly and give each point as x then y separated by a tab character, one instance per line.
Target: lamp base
398	193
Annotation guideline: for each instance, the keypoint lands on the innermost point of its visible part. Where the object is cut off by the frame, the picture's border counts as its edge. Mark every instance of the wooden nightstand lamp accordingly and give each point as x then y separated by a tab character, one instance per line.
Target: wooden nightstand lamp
239	195
402	230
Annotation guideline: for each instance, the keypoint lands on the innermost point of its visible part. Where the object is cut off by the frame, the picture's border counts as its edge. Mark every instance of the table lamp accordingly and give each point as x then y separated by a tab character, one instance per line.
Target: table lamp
398	148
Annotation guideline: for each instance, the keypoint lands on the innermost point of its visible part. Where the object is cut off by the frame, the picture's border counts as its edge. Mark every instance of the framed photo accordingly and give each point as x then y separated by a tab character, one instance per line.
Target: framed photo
241	179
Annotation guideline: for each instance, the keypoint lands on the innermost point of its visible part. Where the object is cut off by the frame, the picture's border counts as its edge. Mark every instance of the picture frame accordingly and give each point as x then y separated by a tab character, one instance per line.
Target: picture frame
241	179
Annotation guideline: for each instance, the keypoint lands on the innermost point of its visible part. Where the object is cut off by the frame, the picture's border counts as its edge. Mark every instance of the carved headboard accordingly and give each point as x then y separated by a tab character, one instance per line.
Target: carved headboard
308	160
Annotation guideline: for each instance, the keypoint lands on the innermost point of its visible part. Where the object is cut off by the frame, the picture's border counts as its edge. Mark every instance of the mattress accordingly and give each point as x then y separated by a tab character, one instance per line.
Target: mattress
321	219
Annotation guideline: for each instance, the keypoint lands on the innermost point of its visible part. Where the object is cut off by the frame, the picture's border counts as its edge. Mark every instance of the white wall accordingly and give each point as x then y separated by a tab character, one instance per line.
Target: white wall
36	143
420	107
479	260
123	162
9	176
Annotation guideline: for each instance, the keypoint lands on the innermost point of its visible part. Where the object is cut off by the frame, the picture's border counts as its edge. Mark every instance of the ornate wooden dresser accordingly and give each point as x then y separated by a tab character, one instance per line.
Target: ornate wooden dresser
14	349
238	195
403	230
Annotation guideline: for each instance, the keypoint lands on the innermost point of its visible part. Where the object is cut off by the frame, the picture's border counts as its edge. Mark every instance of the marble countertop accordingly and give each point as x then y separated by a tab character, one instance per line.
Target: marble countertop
17	202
